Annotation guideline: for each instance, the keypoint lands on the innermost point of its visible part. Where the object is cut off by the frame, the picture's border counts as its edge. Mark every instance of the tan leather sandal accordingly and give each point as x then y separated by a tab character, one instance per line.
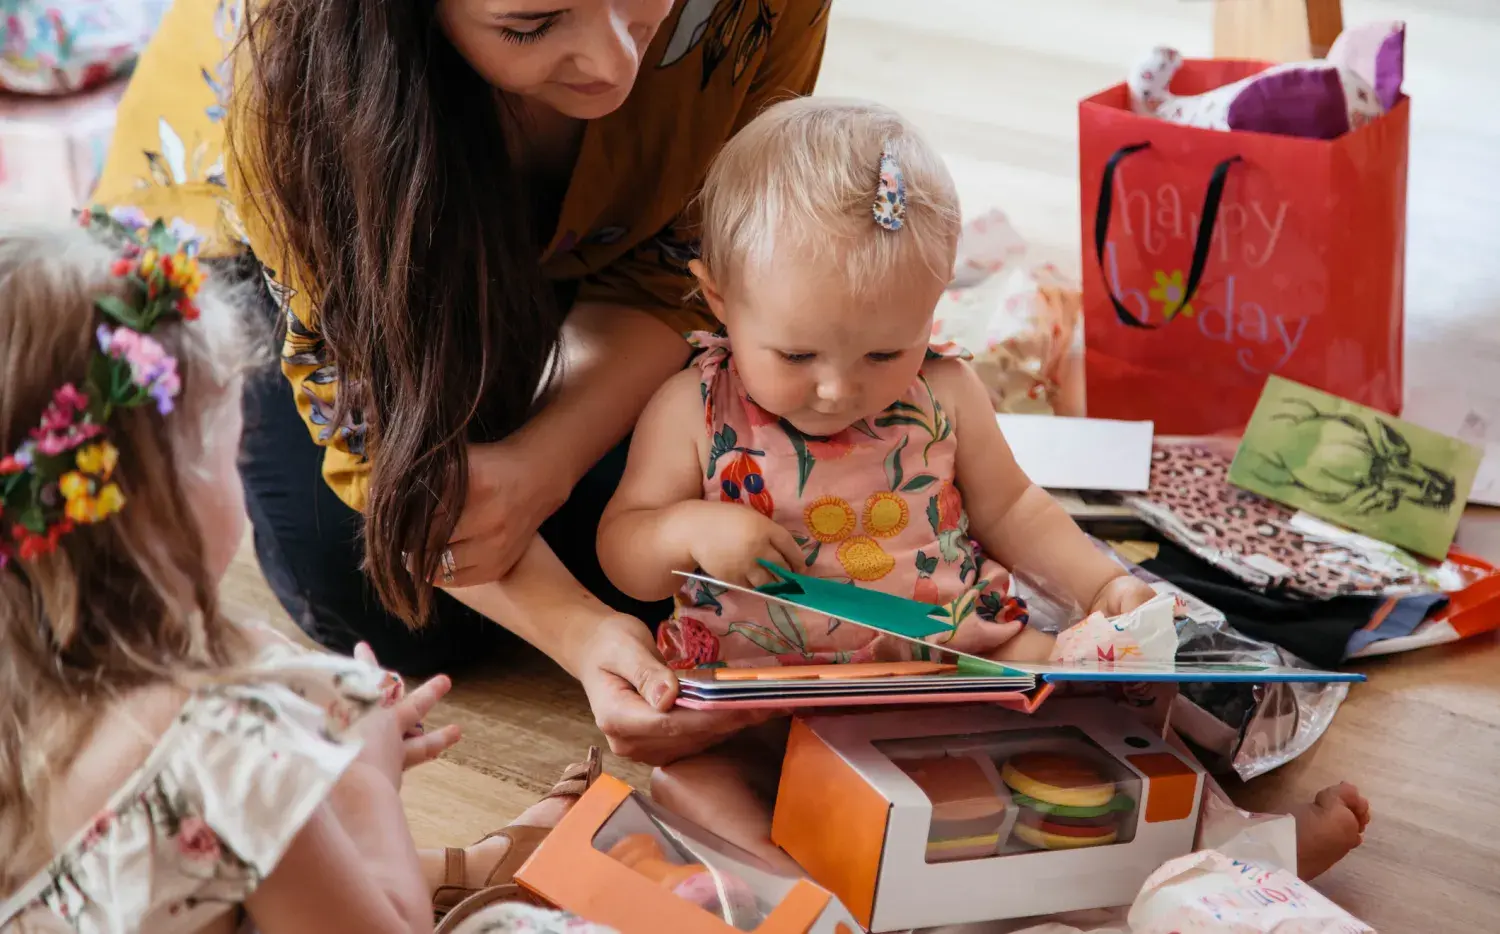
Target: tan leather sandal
474	904
500	885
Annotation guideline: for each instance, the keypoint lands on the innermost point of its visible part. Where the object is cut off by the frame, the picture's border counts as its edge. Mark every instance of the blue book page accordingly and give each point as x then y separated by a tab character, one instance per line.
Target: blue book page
1181	672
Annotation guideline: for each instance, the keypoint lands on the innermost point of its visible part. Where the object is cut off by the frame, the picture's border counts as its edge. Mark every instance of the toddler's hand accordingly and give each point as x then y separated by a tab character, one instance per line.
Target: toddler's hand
394	738
728	541
1121	595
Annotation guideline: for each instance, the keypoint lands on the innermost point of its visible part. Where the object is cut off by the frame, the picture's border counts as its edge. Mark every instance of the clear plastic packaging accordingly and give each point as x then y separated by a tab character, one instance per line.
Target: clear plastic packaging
735	886
1019	791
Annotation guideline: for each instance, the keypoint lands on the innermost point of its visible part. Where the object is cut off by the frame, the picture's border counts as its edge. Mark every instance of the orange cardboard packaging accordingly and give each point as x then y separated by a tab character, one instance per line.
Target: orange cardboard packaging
923	817
618	860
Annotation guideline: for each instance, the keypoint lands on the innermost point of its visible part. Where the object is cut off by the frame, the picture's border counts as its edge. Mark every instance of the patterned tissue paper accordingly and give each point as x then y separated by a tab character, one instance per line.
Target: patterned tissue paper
1019	316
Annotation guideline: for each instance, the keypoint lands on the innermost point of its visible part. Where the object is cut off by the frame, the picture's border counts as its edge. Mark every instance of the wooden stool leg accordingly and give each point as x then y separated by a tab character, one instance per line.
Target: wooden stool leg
1276	30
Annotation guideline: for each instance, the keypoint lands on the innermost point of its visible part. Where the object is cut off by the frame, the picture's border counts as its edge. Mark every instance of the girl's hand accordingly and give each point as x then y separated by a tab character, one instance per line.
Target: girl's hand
511	493
1121	595
394	738
729	540
633	692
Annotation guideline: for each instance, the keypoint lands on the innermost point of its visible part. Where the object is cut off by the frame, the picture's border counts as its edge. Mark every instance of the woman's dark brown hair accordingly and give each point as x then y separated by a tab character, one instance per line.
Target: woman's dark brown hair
127	602
382	168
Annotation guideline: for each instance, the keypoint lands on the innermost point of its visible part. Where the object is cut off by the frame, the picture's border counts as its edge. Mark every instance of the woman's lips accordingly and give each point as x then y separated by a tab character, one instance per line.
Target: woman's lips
590	89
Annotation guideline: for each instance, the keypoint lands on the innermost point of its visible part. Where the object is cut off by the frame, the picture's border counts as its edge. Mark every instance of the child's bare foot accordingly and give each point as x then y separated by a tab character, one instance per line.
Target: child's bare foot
1328	827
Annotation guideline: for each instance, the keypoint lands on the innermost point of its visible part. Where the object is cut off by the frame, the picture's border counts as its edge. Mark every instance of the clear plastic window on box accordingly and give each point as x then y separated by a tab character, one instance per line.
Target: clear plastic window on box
1019	791
711	873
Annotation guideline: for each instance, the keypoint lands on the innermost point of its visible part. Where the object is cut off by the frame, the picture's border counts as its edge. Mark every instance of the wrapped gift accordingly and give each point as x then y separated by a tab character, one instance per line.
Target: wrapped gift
52	150
1019	316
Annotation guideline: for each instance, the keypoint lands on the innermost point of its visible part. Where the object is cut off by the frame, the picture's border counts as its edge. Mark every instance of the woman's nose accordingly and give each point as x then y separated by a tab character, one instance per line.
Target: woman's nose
612	53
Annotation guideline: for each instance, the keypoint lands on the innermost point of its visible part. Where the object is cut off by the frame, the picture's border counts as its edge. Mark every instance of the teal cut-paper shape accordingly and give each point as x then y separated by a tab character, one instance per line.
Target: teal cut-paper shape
885	612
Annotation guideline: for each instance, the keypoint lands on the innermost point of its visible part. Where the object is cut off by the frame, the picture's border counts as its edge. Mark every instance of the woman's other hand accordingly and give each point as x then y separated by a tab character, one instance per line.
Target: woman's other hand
511	493
633	692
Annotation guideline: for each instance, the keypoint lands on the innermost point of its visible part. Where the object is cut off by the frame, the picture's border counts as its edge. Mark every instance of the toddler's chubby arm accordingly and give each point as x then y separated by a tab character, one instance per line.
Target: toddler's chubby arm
658	521
1016	521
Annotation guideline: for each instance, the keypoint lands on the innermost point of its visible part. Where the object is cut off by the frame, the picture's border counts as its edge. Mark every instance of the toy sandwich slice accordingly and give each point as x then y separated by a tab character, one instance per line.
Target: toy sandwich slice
958	676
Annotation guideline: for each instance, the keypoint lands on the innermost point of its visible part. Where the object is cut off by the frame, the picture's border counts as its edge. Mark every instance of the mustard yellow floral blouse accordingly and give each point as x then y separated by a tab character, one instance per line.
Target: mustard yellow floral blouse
622	232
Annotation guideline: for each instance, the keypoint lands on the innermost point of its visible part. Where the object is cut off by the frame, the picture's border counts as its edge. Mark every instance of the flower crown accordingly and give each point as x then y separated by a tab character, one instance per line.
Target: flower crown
61	476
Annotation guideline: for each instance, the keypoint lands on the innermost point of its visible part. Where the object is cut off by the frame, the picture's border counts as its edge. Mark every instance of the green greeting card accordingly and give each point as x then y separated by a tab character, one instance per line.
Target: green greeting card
1352	465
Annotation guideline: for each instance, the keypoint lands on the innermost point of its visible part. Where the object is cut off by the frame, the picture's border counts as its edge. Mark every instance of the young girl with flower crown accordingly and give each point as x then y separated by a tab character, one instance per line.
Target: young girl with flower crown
163	768
821	432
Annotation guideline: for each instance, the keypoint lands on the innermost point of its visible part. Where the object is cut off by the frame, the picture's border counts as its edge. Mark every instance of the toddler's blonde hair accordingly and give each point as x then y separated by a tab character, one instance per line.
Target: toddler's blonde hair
127	602
801	179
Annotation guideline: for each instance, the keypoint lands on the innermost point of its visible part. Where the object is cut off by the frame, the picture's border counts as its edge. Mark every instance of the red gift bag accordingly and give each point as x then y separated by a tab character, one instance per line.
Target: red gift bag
1213	258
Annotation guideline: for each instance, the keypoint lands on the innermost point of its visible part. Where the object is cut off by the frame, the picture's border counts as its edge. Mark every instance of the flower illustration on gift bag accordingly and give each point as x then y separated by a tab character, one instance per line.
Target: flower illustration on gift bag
1171	292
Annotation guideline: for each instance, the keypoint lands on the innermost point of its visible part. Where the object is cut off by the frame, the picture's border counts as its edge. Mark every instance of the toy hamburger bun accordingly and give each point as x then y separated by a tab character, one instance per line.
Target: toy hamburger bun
1058	778
1065	802
1049	833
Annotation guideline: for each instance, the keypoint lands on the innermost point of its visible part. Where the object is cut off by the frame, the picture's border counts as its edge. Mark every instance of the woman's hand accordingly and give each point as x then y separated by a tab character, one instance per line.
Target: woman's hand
729	540
511	493
394	738
633	692
1121	595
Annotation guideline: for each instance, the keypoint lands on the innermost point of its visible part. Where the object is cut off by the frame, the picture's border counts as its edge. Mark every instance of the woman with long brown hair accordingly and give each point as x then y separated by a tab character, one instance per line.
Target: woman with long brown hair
475	220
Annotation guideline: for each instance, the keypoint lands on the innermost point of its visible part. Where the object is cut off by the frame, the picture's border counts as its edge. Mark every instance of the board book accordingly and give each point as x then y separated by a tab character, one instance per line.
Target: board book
944	676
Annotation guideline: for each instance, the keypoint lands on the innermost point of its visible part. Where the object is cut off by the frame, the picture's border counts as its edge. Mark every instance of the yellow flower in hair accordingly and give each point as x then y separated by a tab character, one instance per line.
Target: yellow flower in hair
73	486
183	273
148	263
110	500
98	459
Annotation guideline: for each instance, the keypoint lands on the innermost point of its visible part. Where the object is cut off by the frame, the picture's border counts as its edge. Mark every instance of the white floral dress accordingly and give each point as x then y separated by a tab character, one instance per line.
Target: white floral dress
216	804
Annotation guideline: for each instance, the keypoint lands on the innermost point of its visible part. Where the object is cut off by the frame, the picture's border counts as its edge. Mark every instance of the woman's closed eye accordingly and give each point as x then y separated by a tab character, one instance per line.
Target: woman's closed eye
791	356
528	27
884	356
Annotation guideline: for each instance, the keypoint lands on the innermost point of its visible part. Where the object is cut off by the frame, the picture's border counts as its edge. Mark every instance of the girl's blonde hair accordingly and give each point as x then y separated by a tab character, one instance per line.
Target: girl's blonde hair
127	602
800	179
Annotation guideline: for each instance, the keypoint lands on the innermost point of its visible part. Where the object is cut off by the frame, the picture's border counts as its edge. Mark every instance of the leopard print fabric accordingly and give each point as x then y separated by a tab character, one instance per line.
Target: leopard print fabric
1192	503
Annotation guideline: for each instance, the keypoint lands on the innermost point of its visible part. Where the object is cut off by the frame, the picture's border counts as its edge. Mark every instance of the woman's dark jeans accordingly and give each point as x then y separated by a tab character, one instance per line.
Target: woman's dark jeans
308	544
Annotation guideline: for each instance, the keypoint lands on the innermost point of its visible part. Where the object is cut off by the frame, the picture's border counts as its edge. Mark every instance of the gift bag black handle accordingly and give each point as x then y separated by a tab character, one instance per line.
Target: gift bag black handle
1209	217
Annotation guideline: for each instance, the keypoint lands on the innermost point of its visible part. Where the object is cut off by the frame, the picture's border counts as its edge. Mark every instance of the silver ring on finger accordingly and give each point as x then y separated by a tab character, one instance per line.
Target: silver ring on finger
450	567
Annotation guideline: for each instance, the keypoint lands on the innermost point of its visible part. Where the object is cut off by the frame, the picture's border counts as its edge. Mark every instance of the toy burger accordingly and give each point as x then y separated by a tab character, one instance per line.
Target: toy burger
969	805
1065	802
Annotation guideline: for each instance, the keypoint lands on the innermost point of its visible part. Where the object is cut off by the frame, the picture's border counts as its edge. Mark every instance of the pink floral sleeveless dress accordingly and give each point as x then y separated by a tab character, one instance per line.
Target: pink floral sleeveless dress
874	505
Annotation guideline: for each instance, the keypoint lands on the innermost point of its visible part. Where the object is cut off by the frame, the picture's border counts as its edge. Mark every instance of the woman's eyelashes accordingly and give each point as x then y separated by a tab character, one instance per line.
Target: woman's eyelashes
796	356
536	29
883	356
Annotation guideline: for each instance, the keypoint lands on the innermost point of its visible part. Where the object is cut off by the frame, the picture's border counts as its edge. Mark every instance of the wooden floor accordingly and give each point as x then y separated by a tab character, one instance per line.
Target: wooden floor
994	82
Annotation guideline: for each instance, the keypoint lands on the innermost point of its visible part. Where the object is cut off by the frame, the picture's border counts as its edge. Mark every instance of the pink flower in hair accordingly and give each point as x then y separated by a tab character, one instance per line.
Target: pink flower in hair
63	425
151	367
